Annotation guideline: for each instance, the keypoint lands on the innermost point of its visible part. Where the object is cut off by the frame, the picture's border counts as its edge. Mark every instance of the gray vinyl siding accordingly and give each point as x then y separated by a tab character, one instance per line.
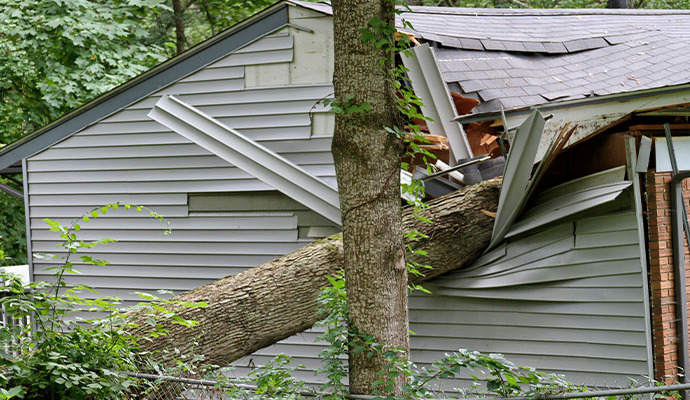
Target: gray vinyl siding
567	299
583	317
309	221
128	158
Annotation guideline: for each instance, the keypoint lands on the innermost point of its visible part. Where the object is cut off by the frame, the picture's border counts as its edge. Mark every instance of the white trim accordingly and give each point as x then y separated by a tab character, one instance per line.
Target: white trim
21	270
429	86
245	153
631	158
27	219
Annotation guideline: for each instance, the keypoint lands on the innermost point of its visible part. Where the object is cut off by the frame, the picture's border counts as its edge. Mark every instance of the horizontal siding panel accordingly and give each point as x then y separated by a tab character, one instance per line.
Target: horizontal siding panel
229	222
610	176
568	265
278	133
149	187
606	223
233	110
175	186
180	235
523	260
266	121
158	175
209	160
260	201
127	295
214	74
118	140
548	274
268	43
211	260
141	175
124	127
529	334
429	350
136	271
254	58
222	85
527	319
150	284
279	145
58	212
252	126
170	156
565	365
161	247
629	280
606	239
568	205
533	293
122	152
559	310
302	159
163	199
248	96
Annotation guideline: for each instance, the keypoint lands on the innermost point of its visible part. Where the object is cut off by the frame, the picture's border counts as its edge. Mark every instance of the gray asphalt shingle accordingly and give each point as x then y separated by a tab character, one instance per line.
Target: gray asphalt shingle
524	57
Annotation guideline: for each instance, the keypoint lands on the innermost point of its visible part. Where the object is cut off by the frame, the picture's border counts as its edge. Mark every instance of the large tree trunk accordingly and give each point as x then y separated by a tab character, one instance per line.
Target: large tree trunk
367	165
180	39
273	301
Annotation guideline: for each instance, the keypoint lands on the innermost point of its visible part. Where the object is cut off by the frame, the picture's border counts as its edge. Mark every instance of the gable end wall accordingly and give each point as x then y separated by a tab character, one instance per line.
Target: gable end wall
129	158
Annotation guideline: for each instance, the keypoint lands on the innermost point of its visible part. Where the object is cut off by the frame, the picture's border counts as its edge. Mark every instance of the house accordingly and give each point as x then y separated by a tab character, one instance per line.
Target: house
230	142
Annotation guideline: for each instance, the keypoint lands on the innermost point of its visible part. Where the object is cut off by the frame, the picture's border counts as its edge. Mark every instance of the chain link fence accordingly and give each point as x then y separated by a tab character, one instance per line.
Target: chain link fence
175	388
155	387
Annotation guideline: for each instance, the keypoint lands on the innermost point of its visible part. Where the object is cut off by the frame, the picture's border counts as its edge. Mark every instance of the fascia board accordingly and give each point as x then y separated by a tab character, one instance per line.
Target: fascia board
248	155
589	116
429	86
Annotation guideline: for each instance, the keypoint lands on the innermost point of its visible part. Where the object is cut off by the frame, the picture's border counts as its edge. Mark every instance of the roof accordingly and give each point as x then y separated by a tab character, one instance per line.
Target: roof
513	58
506	58
518	58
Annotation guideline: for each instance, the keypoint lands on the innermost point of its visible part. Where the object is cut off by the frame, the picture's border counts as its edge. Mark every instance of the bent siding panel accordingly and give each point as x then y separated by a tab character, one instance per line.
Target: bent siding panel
128	158
551	300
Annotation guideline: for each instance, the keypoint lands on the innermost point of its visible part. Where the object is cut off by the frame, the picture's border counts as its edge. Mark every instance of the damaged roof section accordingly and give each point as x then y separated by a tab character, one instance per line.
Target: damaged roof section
513	58
529	57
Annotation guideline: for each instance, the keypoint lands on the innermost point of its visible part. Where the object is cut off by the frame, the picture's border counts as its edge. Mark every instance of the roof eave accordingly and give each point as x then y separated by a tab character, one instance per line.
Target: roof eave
558	105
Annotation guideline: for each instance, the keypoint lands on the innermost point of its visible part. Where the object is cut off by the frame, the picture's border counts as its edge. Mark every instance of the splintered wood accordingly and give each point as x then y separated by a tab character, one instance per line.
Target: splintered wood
434	144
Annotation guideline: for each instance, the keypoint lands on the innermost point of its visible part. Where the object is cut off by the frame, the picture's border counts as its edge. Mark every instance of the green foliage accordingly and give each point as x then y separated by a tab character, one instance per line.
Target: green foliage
59	355
12	231
493	375
201	19
57	54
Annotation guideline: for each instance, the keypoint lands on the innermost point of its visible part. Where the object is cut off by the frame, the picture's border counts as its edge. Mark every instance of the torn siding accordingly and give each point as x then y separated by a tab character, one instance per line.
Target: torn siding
565	297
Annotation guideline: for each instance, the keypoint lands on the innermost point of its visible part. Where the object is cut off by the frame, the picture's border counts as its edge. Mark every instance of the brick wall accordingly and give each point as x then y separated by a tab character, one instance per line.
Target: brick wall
661	274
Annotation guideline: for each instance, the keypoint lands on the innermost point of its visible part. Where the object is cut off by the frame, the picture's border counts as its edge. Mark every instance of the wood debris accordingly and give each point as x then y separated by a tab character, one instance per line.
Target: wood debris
463	105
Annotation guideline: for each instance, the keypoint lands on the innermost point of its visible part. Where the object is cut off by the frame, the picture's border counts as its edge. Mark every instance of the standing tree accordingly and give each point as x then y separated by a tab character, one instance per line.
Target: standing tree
367	162
54	56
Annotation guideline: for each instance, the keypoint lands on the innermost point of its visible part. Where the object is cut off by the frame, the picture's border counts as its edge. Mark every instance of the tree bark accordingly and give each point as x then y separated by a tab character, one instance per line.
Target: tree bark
180	39
367	165
273	301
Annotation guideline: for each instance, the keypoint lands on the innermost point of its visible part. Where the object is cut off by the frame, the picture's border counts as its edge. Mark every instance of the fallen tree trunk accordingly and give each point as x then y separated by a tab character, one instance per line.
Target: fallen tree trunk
270	302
